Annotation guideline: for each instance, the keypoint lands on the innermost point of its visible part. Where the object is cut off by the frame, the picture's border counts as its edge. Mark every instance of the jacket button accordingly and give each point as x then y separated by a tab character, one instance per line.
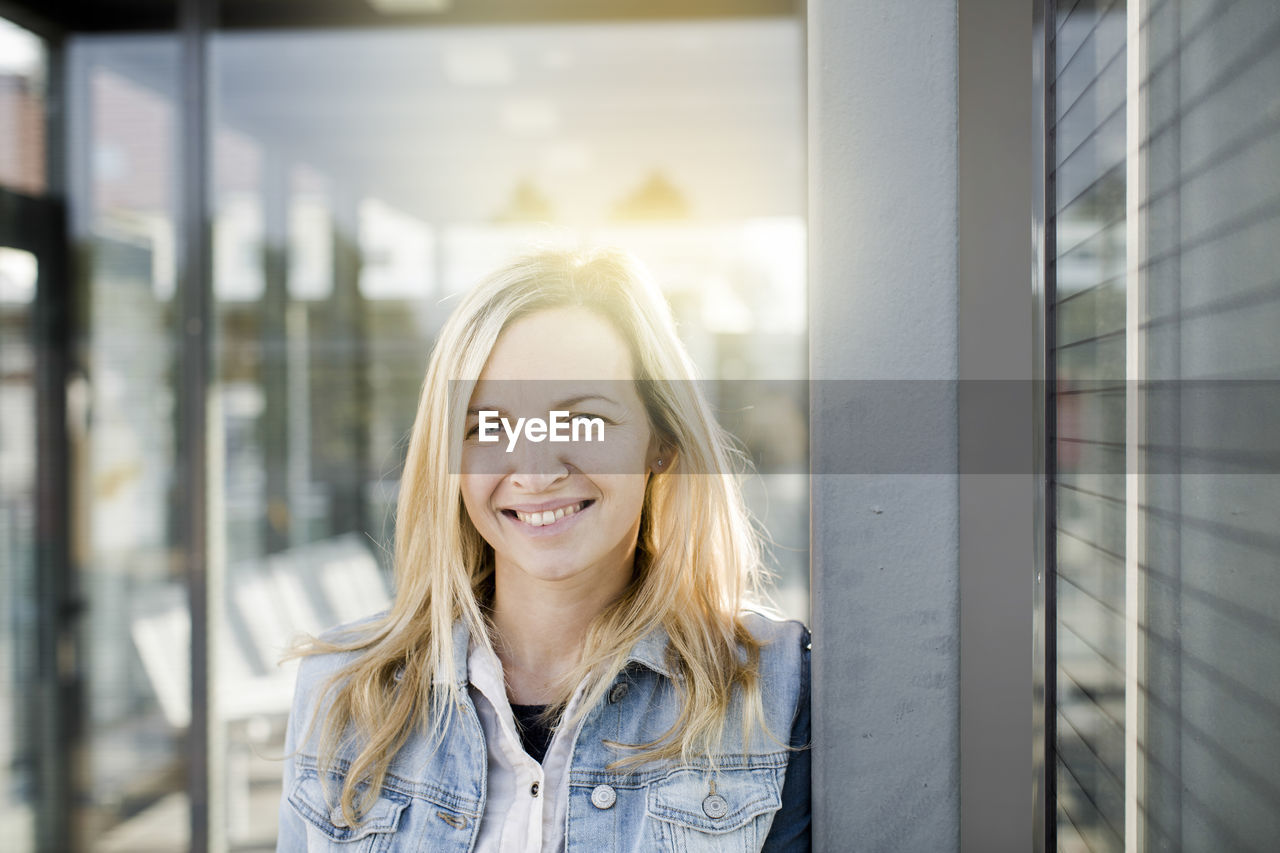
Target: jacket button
619	690
533	789
603	797
715	806
338	819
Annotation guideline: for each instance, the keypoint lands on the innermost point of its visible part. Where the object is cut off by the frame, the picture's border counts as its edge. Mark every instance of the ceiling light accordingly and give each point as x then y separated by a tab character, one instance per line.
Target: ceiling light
410	7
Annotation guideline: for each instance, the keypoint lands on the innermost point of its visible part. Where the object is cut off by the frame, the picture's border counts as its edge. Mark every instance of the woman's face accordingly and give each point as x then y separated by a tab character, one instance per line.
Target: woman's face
560	511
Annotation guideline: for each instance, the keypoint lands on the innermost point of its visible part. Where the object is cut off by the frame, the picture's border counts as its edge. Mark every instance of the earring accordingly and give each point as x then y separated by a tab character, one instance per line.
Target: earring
659	463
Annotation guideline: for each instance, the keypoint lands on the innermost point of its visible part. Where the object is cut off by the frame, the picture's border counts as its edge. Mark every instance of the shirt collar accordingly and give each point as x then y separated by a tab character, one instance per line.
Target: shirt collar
461	645
649	651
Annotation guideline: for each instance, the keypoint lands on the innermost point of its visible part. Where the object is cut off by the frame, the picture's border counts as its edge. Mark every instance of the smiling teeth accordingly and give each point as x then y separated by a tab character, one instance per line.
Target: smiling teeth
541	519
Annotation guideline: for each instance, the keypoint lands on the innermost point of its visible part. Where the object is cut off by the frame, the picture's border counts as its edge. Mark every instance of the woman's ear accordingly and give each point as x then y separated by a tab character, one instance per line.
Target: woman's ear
662	457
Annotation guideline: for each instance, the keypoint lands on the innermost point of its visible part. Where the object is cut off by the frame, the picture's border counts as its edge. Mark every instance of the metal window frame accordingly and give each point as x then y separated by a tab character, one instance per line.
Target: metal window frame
38	225
195	334
1044	686
996	370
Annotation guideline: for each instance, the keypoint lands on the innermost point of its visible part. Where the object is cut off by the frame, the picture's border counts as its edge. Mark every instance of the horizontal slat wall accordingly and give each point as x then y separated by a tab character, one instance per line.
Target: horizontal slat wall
1212	558
1209	683
1087	315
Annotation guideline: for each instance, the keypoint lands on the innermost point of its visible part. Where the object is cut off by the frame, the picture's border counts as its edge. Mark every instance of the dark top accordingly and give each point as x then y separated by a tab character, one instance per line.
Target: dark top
791	830
535	735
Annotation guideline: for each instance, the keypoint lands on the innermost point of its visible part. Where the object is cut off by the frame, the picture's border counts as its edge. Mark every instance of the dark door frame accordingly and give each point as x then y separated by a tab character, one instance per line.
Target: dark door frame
38	225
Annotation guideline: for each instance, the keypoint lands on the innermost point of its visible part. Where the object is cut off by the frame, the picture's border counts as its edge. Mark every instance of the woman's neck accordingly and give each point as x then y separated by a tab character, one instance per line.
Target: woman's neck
541	626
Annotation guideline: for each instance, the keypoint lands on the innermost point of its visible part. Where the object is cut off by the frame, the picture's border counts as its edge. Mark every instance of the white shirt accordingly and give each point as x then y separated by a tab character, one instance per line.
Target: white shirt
516	820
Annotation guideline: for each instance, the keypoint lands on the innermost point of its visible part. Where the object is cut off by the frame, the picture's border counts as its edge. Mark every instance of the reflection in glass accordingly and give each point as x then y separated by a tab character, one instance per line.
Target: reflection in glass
24	485
23	80
1168	603
1089	315
18	543
135	632
1211	686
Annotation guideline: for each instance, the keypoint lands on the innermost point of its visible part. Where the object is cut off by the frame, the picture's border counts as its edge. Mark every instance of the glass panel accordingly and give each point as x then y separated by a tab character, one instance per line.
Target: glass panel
23	109
135	633
362	179
1087	132
18	676
1211	685
1168	602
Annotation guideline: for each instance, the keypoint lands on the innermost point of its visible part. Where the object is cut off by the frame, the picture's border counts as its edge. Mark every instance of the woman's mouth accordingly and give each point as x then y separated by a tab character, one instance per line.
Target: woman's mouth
547	517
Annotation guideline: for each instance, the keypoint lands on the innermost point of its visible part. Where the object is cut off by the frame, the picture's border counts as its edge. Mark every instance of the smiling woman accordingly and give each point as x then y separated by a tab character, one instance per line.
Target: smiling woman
585	555
577	658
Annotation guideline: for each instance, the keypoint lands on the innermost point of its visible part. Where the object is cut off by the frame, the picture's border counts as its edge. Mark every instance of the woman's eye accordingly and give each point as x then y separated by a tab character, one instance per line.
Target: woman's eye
589	424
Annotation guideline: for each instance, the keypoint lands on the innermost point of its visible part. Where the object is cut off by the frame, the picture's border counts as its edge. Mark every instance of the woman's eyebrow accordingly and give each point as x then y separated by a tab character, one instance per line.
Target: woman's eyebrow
573	401
563	404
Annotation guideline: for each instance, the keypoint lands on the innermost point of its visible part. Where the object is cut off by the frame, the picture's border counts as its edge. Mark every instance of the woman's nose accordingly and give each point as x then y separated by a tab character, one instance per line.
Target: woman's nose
537	465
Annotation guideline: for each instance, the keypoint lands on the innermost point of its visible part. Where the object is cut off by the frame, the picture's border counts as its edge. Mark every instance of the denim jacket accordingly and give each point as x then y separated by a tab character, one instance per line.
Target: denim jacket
756	799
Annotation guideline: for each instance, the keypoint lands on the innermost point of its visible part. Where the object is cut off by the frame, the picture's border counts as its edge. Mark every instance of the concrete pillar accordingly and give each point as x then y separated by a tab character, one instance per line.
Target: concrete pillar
921	319
884	307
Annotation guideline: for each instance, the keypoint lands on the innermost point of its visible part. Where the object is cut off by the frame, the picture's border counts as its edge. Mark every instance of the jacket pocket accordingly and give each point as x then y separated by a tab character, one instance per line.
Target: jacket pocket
328	830
698	811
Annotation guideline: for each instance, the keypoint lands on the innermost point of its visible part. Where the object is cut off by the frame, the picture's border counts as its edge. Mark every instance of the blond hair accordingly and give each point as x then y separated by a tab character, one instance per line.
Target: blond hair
698	557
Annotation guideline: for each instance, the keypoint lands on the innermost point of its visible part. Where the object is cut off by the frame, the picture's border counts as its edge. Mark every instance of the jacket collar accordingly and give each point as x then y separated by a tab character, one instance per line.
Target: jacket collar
650	651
